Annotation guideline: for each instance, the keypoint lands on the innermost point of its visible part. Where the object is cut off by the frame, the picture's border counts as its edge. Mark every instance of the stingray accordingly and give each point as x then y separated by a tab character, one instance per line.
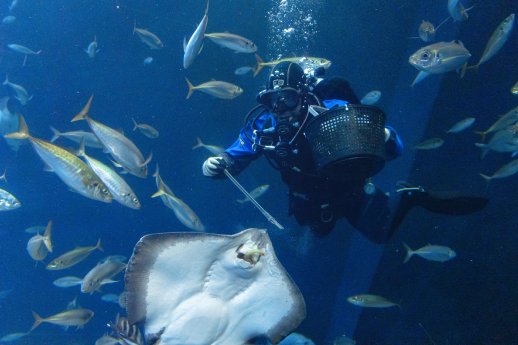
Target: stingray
210	289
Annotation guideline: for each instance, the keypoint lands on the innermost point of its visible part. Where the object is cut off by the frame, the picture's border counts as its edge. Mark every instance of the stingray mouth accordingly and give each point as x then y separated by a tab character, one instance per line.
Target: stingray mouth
250	253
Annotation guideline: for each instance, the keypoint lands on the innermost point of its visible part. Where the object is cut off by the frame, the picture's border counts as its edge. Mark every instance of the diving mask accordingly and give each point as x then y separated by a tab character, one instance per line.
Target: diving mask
279	100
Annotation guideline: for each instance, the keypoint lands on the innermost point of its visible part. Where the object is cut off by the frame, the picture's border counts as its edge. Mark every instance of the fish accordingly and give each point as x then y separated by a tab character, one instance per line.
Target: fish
426	31
440	57
102	271
19	91
8	202
89	138
216	150
371	301
92	48
12	5
430	144
69	168
149	38
111	297
12	337
9	123
194	46
243	70
457	11
371	98
73	257
461	125
182	211
145	129
119	189
218	89
505	140
126	333
67	318
497	40
8	20
22	49
40	245
514	89
430	252
233	42
504	121
255	193
507	170
308	63
125	153
148	61
68	281
35	229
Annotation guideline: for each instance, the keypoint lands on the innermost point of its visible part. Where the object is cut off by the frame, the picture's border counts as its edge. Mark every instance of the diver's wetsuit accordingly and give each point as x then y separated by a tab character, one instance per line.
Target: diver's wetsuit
315	200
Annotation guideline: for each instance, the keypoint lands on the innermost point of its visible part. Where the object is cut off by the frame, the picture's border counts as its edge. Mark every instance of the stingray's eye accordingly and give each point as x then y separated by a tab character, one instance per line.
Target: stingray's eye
238	248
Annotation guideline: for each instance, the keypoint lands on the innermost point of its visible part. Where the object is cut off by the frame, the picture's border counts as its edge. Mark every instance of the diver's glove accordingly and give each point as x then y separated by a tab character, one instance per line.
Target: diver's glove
214	166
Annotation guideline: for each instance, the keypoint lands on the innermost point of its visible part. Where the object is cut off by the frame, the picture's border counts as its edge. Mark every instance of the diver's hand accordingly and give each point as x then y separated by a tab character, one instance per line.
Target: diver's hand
214	166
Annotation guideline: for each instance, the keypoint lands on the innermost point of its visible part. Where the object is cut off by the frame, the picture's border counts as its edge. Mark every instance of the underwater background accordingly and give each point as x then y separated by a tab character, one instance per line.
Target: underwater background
472	299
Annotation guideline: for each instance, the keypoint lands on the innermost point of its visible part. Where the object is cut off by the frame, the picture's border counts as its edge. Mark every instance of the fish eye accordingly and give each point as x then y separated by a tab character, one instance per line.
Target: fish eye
425	55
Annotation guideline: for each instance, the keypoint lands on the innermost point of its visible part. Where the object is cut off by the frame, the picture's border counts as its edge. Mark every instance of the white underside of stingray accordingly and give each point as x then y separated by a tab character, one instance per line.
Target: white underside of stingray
208	289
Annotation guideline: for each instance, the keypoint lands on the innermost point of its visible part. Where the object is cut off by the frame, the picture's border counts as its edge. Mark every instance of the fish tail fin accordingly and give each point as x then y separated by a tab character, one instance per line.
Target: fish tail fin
199	143
55	134
3	176
191	88
83	114
37	320
23	131
81	150
158	193
6	81
47	236
258	65
135	124
98	245
409	253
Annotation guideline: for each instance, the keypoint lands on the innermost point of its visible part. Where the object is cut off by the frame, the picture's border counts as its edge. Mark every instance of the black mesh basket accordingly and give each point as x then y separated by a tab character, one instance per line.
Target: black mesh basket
348	140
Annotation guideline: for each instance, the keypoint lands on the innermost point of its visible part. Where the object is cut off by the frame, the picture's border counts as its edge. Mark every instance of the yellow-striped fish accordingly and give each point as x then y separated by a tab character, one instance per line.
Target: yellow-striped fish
306	62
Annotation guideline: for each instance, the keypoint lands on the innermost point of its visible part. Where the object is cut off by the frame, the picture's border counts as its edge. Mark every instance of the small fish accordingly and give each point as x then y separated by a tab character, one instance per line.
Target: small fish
514	89
148	61
371	301
40	245
9	20
508	169
35	229
92	49
255	193
430	252
89	138
8	202
504	121
193	47
430	144
73	257
371	98
497	40
145	129
505	140
218	89
111	297
461	125
243	70
233	42
426	31
216	150
440	57
308	63
12	337
149	38
102	271
19	91
67	318
22	49
68	281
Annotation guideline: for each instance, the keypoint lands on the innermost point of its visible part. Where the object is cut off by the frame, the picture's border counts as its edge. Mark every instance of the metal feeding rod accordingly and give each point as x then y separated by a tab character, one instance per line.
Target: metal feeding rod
256	204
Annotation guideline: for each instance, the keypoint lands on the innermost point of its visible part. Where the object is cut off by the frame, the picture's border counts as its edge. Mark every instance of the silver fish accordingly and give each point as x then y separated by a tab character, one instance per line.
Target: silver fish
73	257
119	189
371	98
125	153
22	49
233	42
19	91
149	38
256	193
92	48
111	297
69	168
67	318
371	301
12	5
440	57
430	144
504	121
461	125
182	211
216	88
497	40
243	70
40	245
9	19
12	337
507	170
193	47
431	252
8	202
89	138
426	31
216	150
505	140
102	271
68	281
145	129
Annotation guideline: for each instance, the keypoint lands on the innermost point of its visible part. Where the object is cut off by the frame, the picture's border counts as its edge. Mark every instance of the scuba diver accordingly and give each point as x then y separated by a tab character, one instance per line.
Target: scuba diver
326	146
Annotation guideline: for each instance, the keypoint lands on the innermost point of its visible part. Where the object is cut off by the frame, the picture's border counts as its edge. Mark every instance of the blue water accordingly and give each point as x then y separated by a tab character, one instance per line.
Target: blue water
472	299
